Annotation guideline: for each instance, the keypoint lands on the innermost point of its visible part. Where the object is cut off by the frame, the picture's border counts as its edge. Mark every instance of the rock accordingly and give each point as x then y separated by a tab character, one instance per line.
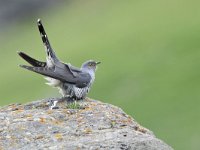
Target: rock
95	126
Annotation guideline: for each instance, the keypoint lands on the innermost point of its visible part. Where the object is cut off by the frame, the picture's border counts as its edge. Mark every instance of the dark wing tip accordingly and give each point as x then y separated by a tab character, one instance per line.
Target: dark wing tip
23	55
20	53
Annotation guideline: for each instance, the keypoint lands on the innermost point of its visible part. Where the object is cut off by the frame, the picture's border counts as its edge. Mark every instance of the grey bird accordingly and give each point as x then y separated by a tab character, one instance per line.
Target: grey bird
73	83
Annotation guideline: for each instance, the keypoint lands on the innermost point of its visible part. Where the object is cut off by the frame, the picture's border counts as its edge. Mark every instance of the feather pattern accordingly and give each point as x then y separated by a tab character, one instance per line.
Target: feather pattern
71	81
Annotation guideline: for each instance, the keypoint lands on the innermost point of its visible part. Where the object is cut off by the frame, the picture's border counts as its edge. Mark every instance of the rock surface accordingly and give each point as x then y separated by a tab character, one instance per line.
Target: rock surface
96	126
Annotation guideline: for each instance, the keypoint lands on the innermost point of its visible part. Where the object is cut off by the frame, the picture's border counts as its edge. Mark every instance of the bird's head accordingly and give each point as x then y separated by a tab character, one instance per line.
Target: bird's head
90	65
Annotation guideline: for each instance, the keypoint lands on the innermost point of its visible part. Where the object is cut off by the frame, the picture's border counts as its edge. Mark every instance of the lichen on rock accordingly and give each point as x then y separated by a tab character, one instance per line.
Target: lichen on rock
95	126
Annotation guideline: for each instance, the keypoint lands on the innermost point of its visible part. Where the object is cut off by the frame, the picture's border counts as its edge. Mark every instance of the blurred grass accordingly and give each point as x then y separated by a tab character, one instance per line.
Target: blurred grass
150	53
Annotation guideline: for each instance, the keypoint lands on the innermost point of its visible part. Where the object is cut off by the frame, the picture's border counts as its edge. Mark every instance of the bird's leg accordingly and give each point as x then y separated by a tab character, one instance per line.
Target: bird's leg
70	99
72	103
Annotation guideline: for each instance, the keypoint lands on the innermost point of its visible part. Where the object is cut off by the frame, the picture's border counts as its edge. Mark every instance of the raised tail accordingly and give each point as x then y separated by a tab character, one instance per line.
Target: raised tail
51	56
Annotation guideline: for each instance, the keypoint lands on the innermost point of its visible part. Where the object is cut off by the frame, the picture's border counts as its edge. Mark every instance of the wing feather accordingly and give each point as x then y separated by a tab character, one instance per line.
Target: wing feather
64	75
32	61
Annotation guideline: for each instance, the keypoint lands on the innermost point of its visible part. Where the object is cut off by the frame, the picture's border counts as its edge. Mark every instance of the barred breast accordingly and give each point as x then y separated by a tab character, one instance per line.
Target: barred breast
81	92
69	90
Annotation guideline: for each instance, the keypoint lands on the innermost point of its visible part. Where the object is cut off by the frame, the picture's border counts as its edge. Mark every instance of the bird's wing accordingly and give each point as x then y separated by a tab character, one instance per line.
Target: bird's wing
53	67
56	73
32	61
82	78
62	74
58	65
74	69
62	66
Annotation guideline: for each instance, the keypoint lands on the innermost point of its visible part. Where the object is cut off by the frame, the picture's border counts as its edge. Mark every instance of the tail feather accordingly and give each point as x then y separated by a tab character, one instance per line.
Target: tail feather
31	60
50	53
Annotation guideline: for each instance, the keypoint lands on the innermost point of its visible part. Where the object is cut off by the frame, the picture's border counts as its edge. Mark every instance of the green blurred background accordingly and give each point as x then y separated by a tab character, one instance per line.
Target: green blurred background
150	54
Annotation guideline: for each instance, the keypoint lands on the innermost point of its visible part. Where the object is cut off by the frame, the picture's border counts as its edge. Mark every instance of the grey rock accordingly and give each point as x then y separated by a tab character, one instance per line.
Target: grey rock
95	126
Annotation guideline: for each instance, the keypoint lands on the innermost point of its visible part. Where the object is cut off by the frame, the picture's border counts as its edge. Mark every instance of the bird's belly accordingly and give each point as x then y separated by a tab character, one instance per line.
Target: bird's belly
70	90
81	92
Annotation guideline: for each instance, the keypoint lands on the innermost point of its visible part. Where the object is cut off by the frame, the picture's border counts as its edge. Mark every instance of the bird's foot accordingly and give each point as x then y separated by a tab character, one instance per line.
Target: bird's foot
67	102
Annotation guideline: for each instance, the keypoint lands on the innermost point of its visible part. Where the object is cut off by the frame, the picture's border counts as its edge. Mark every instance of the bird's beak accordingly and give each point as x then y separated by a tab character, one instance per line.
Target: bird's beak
98	62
